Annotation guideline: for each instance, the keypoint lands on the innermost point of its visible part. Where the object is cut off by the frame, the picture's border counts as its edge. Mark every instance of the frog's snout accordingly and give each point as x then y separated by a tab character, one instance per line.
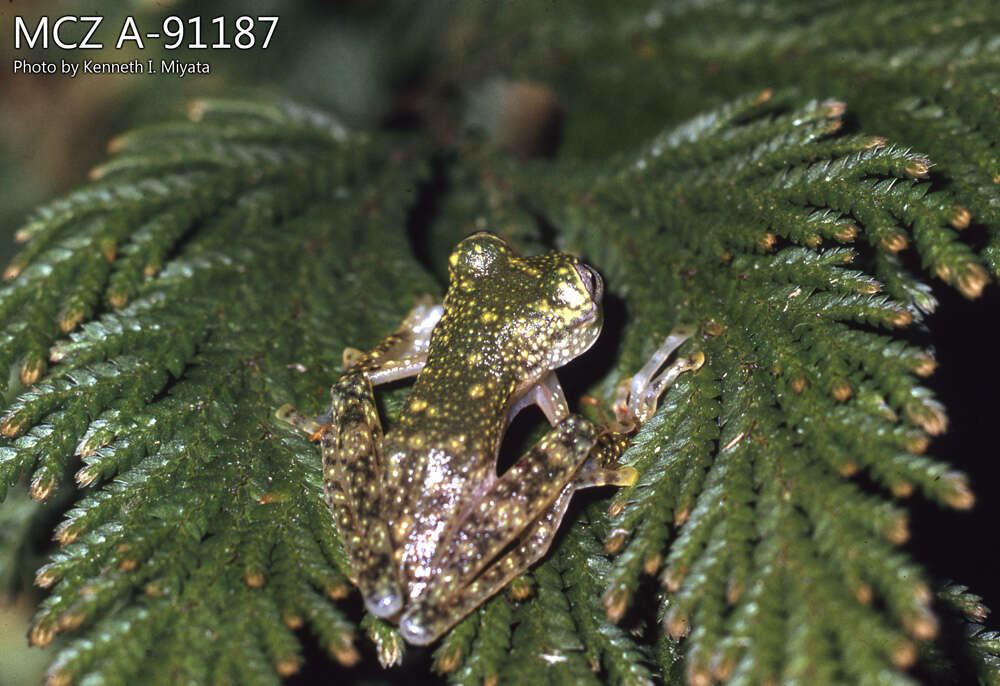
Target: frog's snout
384	602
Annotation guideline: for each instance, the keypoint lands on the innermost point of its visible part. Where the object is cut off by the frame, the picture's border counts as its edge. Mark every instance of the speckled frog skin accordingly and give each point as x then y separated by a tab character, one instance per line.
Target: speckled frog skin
430	528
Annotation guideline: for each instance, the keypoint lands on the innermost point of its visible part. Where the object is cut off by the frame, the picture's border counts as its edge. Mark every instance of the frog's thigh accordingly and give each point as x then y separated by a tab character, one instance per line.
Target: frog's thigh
436	614
512	505
519	497
352	477
426	621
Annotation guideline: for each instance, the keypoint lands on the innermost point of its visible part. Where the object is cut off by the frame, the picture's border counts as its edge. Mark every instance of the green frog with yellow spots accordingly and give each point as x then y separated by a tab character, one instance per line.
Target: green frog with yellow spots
430	528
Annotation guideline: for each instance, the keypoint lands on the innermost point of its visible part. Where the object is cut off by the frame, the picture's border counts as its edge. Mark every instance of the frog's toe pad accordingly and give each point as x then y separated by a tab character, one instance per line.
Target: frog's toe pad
287	413
414	630
384	602
696	360
626	476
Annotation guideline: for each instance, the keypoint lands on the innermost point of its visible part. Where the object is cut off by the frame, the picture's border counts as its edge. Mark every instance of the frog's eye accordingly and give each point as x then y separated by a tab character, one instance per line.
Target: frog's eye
591	281
478	255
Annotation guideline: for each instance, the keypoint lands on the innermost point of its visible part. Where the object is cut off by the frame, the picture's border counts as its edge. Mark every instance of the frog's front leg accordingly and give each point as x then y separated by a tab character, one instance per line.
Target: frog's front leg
401	354
548	395
635	403
353	465
638	396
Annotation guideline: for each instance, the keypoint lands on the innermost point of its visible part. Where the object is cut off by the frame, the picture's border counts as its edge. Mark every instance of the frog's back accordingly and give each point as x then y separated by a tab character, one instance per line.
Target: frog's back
448	433
507	321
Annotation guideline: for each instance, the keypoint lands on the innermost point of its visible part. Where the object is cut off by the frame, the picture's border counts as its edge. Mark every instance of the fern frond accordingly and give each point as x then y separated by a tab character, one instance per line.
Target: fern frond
214	269
750	460
204	310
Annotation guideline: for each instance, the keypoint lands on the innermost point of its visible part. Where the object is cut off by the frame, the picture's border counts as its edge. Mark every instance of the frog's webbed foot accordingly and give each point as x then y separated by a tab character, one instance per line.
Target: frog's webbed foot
602	467
636	399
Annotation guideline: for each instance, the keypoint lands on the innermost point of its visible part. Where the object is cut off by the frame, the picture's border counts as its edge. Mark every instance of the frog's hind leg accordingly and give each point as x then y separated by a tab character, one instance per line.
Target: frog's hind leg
424	622
353	464
352	483
481	559
431	617
350	436
522	508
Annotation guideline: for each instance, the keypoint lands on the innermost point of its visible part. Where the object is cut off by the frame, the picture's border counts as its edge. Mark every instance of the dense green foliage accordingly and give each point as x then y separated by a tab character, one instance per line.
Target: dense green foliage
215	269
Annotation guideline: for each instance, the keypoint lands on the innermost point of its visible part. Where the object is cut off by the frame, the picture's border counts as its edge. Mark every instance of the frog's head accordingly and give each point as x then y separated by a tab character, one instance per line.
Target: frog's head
544	310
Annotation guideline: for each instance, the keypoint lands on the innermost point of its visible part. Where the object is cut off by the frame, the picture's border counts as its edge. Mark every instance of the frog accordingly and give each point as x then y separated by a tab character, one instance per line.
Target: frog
429	526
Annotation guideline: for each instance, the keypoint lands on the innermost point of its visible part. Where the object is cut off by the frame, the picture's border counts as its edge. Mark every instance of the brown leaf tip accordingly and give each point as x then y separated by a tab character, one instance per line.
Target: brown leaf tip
677	625
286	667
894	242
40	636
960	217
343	651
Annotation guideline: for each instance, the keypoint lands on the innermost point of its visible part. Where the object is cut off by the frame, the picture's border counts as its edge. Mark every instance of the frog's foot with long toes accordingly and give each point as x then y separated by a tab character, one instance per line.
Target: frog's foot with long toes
637	397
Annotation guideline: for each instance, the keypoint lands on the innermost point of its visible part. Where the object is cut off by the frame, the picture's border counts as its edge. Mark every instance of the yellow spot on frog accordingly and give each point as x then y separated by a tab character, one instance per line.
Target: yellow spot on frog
418	405
476	390
571	296
402	527
489	316
474	358
416	441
